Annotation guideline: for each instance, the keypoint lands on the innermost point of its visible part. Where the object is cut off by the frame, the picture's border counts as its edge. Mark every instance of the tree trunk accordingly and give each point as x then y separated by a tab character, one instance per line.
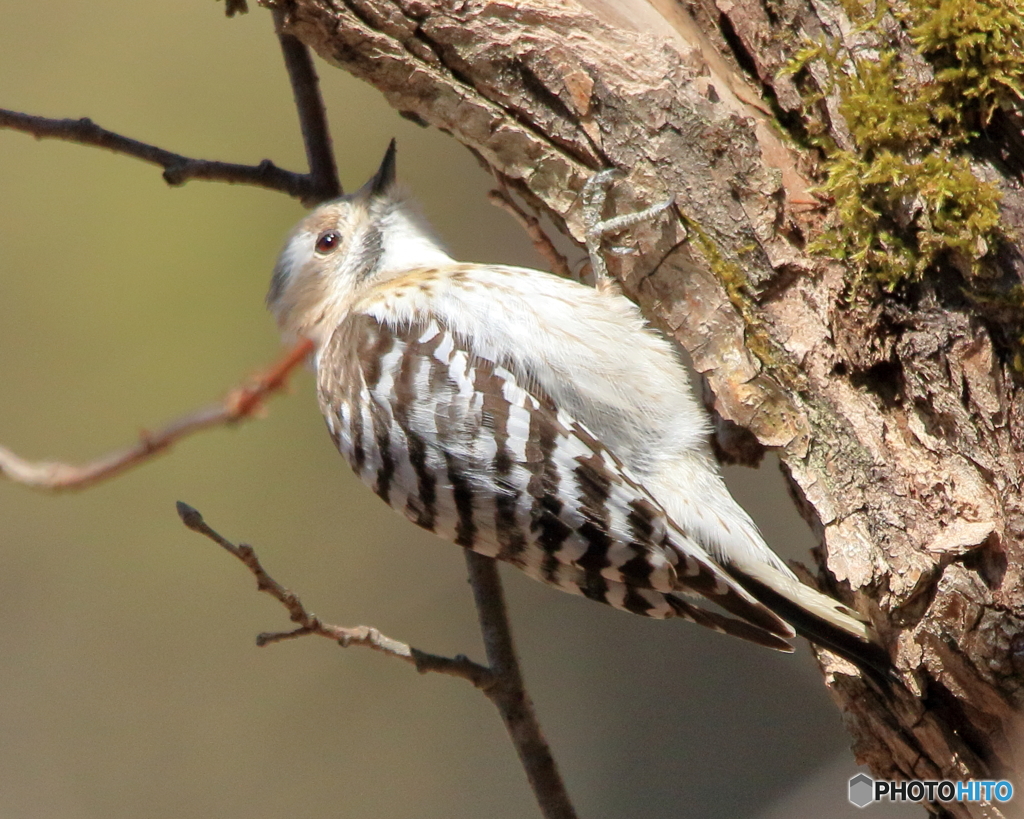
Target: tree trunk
889	381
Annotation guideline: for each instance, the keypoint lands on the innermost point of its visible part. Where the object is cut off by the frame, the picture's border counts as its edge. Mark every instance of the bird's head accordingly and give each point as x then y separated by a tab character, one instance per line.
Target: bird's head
345	247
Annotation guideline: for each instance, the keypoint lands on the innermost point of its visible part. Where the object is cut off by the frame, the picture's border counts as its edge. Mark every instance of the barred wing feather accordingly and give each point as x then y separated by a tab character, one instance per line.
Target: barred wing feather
472	450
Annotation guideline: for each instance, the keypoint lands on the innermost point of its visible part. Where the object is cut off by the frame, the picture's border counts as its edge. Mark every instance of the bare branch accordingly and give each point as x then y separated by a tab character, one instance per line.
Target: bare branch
480	676
178	169
541	243
323	172
320	184
502	683
509	694
239	404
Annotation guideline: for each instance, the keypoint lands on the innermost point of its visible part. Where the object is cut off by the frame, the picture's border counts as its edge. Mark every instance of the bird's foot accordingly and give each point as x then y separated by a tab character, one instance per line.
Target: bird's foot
595	192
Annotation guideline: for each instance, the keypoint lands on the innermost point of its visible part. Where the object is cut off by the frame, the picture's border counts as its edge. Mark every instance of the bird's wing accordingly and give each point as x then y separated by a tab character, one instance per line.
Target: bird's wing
472	449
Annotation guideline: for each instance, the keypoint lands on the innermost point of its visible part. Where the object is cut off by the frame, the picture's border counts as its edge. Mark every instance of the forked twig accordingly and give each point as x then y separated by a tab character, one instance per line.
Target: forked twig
239	404
316	136
178	169
320	184
308	623
502	682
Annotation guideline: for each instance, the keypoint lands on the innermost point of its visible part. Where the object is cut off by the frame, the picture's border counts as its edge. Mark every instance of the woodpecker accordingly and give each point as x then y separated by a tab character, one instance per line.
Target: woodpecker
532	419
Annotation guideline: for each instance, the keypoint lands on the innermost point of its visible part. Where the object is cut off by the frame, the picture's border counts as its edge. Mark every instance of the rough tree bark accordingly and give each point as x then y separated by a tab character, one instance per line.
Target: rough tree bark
899	420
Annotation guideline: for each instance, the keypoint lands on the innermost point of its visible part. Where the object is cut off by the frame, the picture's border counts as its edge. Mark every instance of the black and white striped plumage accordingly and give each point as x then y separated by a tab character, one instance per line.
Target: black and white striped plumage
529	418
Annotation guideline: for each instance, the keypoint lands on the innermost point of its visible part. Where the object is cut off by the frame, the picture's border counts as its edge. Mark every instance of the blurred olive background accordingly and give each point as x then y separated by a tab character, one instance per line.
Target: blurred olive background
129	682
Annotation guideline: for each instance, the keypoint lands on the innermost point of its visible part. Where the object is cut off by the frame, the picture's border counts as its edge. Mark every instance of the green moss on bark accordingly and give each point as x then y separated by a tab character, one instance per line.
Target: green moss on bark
906	197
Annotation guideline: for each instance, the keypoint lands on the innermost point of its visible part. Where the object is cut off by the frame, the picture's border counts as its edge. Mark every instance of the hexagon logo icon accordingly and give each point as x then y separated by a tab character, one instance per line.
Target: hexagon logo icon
862	790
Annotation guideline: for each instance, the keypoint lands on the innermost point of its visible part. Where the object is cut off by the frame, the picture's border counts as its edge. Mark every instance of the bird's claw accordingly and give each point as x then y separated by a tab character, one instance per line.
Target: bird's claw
595	193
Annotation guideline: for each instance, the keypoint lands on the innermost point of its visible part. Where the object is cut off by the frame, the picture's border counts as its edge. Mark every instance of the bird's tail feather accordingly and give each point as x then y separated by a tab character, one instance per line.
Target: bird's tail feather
727	625
818	618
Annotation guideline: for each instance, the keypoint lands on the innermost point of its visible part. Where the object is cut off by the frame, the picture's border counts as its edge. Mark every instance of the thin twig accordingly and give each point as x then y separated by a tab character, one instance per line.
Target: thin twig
239	404
541	243
178	169
308	623
316	135
320	184
509	694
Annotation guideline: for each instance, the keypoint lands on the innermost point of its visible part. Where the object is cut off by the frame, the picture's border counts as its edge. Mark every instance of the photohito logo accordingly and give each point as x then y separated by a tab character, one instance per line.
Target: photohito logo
864	790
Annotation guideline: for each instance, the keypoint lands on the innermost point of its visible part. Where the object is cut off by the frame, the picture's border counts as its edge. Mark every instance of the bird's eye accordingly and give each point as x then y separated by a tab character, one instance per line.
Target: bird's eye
327	242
